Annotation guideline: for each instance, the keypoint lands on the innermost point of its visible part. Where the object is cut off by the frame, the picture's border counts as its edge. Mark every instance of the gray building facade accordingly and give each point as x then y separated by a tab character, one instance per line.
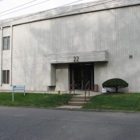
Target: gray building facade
93	42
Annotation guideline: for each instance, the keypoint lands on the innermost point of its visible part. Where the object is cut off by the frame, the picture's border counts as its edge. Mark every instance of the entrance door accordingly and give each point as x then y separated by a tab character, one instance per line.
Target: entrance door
86	75
81	74
77	77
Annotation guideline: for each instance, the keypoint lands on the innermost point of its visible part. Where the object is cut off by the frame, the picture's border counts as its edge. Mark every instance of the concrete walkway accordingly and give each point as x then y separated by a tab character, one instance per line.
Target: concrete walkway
81	94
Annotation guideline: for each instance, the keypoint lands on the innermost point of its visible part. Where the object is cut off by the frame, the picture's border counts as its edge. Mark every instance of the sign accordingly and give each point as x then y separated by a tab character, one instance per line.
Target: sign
18	88
104	90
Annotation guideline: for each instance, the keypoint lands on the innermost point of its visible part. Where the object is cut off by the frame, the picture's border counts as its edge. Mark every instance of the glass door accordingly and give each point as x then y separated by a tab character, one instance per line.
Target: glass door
82	73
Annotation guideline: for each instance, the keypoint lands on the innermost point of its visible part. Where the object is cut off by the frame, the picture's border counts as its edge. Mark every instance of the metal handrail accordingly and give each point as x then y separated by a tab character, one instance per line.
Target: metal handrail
87	89
73	87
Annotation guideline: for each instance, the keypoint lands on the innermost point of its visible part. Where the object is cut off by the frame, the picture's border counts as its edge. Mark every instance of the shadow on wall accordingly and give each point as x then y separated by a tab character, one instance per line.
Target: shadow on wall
110	30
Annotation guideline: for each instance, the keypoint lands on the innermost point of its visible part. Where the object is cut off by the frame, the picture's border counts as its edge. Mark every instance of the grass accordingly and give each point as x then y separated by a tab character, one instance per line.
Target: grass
34	99
115	102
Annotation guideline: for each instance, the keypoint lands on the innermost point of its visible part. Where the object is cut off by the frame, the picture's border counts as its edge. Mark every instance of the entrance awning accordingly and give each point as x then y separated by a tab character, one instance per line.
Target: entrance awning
94	56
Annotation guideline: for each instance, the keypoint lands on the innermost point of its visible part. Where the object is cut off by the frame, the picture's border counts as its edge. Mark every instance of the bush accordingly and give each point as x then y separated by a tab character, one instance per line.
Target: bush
115	84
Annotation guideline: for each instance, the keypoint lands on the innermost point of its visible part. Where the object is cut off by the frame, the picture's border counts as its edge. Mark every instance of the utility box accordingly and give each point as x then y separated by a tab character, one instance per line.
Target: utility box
95	88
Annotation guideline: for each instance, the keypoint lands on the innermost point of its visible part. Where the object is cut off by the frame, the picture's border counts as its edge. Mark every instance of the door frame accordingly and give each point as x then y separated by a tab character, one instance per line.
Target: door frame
80	67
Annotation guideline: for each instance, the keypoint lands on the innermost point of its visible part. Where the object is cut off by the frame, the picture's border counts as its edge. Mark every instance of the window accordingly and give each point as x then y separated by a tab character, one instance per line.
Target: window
6	76
6	43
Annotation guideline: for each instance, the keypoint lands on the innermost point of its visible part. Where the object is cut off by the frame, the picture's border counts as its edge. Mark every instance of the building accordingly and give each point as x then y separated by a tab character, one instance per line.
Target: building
92	42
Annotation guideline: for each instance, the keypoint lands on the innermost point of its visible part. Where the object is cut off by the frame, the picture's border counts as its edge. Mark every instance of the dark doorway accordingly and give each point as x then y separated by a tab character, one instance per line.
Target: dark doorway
82	73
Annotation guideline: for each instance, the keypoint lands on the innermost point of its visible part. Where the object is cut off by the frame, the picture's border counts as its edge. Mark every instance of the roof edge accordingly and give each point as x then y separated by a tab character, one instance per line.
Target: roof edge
68	11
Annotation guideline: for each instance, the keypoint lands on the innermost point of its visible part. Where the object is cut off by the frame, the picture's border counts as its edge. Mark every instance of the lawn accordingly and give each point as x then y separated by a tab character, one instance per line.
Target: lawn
115	102
34	99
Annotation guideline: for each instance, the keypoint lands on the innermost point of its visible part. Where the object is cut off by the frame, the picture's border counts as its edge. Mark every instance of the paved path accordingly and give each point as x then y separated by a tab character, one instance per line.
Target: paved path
45	124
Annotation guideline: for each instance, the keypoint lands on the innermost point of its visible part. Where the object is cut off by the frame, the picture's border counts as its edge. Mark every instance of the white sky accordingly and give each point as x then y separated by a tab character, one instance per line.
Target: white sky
13	8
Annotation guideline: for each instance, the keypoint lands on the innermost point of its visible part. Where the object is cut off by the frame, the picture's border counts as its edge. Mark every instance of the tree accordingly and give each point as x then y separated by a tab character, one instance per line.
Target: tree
115	84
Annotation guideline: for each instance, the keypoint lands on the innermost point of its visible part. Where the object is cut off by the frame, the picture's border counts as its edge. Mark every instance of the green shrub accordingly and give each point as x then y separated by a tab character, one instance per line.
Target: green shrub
115	84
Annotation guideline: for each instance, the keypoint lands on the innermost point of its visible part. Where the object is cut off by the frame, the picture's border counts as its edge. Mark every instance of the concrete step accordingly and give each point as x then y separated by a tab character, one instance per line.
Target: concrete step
79	100
76	103
82	92
70	107
80	97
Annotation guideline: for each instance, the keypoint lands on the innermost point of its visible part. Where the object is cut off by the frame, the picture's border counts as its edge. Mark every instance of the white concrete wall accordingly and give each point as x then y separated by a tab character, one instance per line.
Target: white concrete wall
6	60
5	56
62	77
117	31
29	66
119	34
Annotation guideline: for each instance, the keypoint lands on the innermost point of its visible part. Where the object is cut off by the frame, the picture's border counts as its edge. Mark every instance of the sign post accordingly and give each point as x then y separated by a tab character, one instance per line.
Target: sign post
17	88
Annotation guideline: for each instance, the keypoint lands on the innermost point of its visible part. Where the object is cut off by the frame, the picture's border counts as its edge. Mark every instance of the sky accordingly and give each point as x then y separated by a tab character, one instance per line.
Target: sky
16	8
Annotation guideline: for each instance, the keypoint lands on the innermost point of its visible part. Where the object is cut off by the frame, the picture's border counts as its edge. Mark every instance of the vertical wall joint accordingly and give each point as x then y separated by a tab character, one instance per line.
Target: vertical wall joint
1	46
11	49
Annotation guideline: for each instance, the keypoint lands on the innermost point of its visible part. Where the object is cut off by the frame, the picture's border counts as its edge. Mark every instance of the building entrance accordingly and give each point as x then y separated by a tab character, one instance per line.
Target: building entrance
82	73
